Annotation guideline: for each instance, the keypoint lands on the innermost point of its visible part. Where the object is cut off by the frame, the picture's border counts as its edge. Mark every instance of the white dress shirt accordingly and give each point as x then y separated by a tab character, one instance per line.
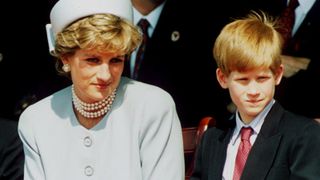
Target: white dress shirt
300	13
152	18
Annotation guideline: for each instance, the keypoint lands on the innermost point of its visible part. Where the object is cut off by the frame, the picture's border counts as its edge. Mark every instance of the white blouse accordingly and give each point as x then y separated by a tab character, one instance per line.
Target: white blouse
139	139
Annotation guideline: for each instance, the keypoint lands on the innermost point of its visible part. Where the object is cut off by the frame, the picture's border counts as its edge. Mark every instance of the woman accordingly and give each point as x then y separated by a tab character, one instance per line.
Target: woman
103	126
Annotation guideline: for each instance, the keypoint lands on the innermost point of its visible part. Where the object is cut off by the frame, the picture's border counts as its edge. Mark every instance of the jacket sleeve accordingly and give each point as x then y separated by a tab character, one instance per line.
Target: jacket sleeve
33	168
305	154
197	171
161	144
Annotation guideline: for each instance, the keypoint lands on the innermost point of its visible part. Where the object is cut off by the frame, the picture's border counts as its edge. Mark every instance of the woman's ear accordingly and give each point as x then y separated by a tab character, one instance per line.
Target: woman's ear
222	78
279	74
65	59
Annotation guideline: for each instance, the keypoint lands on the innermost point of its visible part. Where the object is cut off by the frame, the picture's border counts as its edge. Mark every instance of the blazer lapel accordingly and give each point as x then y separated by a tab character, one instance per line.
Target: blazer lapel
219	156
265	147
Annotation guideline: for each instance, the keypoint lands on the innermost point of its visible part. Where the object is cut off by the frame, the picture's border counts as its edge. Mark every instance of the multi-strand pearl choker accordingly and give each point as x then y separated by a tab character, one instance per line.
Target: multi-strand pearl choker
93	110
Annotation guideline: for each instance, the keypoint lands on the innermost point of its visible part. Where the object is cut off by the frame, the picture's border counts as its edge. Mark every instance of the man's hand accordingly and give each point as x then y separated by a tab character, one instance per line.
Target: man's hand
292	65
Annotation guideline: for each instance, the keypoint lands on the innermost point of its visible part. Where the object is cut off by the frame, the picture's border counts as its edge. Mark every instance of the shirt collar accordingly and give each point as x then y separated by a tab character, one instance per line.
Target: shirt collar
306	5
255	124
152	17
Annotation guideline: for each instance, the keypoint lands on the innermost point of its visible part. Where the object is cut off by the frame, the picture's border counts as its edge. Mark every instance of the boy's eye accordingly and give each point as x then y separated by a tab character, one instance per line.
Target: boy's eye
262	78
242	79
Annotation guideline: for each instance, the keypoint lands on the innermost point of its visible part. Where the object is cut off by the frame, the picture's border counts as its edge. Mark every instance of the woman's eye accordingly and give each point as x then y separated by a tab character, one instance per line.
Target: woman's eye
93	60
117	60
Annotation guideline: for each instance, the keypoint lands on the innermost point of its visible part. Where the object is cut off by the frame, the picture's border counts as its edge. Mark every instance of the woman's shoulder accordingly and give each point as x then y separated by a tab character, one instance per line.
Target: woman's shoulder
45	113
59	95
45	106
141	89
144	95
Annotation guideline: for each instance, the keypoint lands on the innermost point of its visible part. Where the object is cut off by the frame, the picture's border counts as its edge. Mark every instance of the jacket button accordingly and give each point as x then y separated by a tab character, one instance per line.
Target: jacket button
88	171
87	141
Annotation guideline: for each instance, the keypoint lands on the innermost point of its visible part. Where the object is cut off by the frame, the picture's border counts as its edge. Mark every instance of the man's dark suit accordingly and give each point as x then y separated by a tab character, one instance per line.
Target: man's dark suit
299	93
27	71
11	152
287	147
185	67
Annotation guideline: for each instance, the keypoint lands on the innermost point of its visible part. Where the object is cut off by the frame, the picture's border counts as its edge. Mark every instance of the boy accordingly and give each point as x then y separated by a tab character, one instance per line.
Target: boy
273	143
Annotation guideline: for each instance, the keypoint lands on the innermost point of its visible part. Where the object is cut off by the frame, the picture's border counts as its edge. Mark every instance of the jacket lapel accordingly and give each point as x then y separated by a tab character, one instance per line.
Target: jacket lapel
219	156
265	147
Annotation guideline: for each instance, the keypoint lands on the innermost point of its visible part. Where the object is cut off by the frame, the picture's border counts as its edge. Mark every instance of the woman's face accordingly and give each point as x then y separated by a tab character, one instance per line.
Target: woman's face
94	74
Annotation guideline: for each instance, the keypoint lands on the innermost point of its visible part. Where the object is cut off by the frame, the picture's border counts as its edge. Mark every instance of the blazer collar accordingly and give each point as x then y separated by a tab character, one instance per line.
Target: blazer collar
265	147
262	153
219	157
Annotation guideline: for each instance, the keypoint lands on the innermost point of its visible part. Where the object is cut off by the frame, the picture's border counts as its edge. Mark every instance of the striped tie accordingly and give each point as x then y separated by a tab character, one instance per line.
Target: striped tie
286	22
143	24
243	151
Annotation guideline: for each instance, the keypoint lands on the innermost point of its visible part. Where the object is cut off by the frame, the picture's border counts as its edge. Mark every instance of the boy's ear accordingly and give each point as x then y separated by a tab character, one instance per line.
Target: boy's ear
222	78
279	74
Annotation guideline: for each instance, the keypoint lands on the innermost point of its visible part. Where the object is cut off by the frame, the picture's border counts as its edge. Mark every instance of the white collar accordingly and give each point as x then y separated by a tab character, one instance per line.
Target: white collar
306	5
255	124
152	17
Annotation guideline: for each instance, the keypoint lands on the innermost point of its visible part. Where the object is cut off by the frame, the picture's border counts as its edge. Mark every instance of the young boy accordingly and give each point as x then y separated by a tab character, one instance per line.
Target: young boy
273	143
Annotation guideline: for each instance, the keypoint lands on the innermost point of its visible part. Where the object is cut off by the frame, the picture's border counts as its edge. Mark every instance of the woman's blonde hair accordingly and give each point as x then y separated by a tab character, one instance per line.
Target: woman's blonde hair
102	32
248	43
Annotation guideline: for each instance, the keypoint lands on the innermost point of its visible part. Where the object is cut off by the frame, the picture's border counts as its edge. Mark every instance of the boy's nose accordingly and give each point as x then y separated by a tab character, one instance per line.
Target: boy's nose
253	88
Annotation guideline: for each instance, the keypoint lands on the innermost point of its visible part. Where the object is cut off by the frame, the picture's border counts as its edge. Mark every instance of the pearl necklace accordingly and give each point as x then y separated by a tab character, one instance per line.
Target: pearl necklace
93	110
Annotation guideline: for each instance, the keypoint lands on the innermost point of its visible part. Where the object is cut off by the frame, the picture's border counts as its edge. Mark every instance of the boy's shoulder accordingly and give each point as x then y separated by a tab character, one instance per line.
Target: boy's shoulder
296	123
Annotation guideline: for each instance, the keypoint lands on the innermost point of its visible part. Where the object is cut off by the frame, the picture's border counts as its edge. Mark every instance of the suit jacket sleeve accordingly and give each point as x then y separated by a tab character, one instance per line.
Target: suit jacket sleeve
11	152
161	145
197	171
305	161
33	166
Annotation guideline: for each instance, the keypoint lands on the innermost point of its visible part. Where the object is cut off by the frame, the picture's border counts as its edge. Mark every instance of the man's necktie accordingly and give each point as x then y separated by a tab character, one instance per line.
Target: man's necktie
286	21
143	24
243	151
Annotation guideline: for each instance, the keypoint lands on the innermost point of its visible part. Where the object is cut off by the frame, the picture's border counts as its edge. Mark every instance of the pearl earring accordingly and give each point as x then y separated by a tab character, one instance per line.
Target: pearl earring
66	68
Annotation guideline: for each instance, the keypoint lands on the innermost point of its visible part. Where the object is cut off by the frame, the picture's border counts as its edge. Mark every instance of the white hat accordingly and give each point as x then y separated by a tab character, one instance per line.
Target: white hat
65	12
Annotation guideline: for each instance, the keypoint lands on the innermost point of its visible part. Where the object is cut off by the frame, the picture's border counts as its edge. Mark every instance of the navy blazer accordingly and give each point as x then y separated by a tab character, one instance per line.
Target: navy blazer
184	66
11	151
287	147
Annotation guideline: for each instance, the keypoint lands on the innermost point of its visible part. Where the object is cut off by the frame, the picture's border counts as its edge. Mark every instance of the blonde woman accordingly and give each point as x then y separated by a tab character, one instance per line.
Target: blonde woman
103	126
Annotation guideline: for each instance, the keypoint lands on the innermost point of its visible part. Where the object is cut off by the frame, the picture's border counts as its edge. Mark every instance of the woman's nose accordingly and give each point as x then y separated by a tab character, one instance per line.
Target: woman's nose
104	72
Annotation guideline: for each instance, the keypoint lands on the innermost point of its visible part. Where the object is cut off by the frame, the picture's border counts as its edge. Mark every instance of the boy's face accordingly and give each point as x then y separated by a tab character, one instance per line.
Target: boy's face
250	90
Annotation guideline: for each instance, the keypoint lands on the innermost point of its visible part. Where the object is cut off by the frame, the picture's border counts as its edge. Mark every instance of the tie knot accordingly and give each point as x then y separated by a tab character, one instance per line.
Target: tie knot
143	24
293	4
246	133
